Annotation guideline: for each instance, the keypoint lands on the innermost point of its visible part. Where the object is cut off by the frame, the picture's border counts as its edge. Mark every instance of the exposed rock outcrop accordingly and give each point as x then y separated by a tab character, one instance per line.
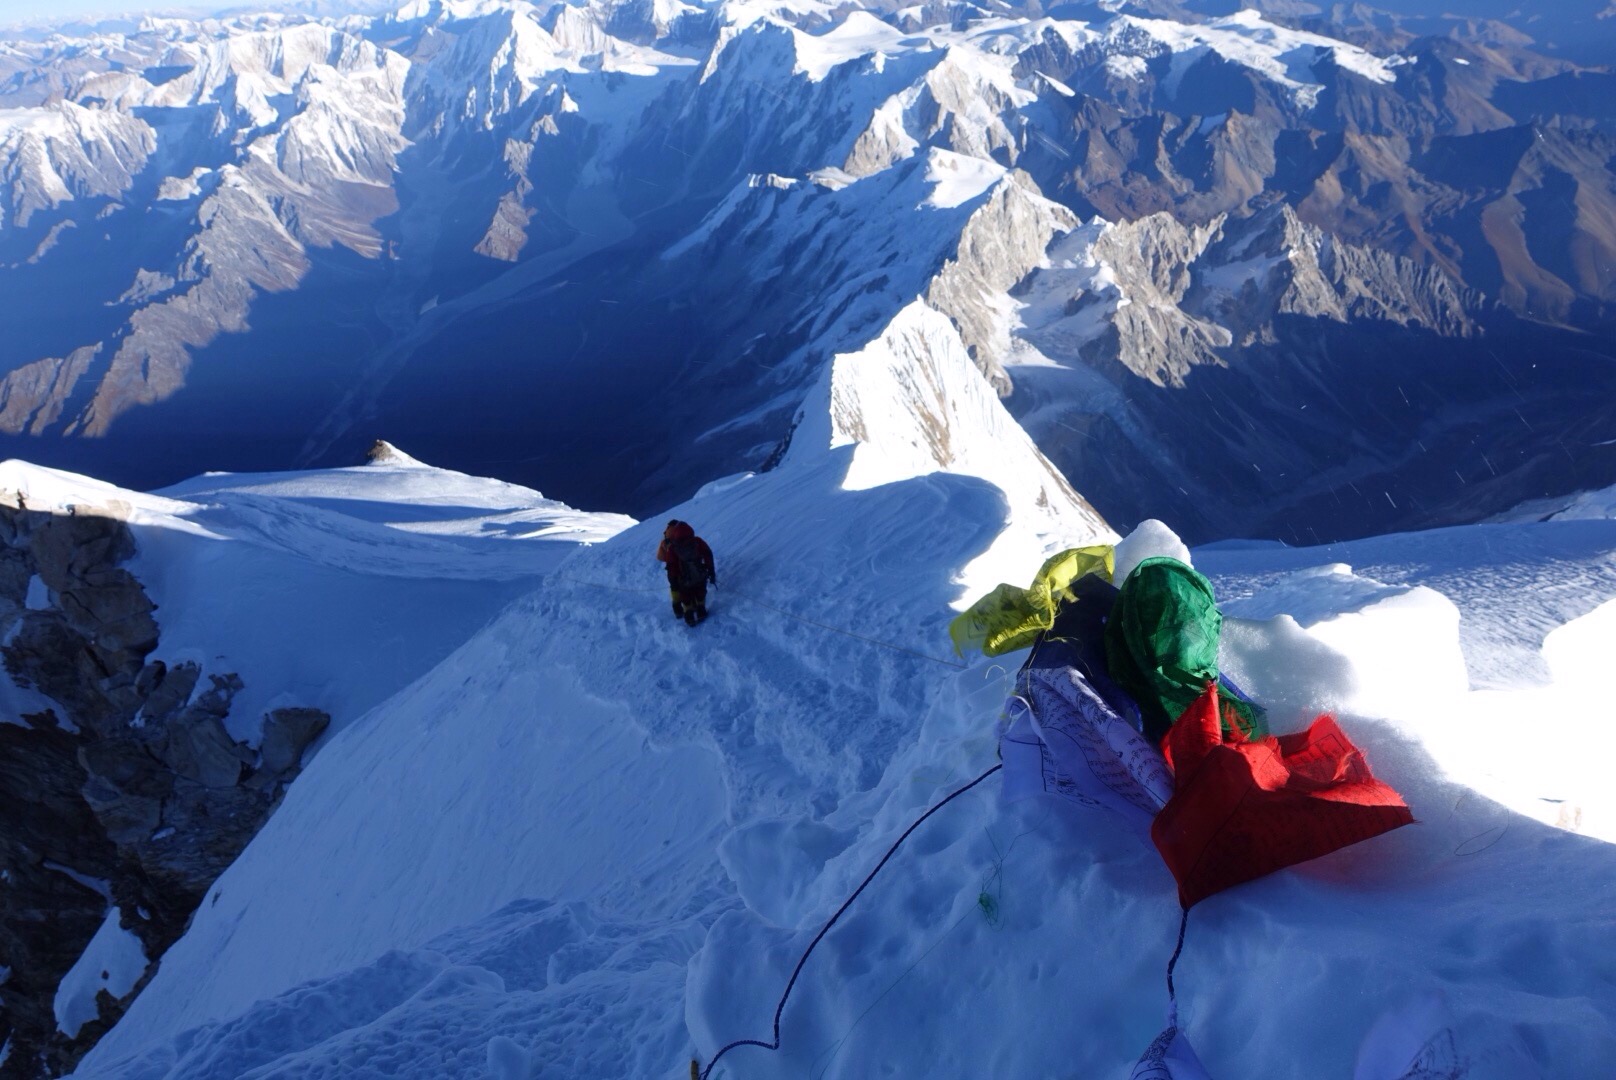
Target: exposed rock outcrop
1161	297
1003	241
123	786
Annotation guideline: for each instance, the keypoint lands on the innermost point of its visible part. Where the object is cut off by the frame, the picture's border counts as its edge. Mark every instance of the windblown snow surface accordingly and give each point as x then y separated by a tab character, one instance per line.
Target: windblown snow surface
331	589
593	842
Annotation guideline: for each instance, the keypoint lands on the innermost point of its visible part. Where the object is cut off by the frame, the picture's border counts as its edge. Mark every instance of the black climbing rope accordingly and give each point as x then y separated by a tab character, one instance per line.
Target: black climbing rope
1183	924
781	1008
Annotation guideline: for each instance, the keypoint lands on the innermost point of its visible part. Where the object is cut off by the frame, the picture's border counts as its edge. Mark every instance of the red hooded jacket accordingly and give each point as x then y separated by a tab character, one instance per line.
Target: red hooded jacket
679	530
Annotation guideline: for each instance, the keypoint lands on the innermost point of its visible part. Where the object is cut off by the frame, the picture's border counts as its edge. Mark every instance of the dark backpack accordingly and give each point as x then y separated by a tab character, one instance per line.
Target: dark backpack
692	568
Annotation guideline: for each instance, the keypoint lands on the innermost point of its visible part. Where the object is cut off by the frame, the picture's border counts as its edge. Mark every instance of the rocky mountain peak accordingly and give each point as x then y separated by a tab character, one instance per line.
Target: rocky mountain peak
383	452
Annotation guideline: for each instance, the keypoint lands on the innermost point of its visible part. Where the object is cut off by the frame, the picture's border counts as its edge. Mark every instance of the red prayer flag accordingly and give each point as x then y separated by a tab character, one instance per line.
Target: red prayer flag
1241	810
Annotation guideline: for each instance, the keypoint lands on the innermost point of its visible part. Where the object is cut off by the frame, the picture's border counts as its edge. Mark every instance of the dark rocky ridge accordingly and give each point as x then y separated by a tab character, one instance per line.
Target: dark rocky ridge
125	790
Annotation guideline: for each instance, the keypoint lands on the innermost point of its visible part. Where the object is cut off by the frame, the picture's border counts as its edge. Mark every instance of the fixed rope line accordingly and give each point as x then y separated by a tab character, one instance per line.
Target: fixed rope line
789	615
780	1009
1172	997
836	1047
603	585
847	633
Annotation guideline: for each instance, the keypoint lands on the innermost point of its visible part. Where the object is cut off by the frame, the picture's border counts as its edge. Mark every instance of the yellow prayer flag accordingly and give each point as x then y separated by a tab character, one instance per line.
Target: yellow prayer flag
1009	618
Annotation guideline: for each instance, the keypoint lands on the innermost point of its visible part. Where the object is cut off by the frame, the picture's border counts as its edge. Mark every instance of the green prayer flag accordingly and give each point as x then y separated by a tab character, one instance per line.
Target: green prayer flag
1161	646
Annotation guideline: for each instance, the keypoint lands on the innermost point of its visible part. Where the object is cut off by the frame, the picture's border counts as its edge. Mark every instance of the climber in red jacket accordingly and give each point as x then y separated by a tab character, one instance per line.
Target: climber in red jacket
689	563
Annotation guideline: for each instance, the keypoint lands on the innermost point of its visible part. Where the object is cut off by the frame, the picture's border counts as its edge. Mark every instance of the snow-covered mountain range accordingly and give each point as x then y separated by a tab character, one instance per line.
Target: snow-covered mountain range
1324	271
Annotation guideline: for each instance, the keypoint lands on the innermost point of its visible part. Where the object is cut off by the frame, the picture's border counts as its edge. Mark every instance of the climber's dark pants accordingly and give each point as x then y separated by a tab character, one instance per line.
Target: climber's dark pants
688	598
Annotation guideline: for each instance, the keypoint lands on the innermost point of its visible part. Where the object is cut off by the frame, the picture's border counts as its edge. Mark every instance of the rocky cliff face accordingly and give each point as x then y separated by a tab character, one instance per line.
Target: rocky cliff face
1259	376
1001	244
1160	297
122	786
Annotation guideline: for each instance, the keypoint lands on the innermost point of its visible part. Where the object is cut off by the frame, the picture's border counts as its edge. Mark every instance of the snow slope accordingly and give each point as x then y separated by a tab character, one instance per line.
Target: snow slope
329	589
593	842
1484	640
113	961
1598	504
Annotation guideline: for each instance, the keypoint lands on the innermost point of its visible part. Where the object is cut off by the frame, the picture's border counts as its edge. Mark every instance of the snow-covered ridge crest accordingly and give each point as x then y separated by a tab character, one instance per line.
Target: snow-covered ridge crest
456	10
1286	56
251	69
953	230
912	402
56	153
500	56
